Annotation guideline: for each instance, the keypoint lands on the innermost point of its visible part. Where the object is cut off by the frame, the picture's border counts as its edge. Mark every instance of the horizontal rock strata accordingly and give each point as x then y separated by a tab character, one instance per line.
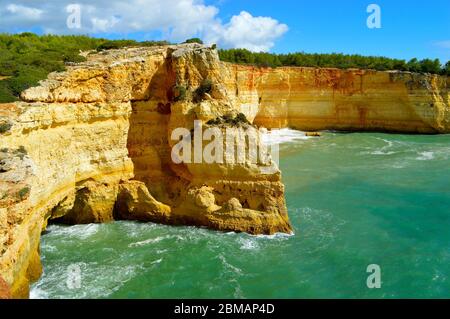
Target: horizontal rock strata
93	144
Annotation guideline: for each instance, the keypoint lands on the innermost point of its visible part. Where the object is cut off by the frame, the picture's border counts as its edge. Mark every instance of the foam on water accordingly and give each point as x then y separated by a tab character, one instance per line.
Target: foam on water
349	208
76	231
285	135
148	241
248	244
37	293
157	261
281	236
425	156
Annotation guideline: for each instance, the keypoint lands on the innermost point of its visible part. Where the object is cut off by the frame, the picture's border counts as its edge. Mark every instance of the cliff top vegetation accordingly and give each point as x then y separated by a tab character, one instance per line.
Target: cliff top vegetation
333	60
27	58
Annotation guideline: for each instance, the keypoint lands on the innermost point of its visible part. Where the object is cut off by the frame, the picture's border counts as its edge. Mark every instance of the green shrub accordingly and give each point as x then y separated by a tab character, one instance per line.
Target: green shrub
334	60
5	127
6	95
205	87
24	192
446	69
180	93
116	44
194	40
21	152
29	58
238	120
153	43
241	118
430	66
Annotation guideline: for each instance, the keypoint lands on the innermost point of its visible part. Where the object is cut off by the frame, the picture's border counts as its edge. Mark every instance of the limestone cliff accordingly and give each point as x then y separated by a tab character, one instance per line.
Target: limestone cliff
354	100
93	144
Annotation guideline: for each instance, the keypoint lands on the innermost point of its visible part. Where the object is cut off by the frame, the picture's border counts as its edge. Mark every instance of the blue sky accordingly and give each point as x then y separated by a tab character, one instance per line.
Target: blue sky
409	28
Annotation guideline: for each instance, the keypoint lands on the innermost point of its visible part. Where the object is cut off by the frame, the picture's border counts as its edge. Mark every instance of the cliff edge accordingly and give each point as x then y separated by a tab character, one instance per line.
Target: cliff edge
94	143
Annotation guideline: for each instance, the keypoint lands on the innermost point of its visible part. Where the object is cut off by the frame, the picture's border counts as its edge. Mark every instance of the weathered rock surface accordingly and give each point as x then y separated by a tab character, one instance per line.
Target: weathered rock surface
93	144
4	289
134	202
312	99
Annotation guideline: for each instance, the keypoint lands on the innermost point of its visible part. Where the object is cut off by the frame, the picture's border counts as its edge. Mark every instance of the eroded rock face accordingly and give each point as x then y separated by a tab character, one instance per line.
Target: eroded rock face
93	144
134	202
312	99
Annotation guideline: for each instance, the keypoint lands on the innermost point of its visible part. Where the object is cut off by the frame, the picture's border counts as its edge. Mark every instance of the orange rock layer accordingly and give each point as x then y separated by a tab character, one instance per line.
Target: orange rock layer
313	99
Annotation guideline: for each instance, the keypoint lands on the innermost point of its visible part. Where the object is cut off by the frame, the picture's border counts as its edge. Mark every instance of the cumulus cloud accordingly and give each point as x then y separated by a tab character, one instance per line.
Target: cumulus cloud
174	20
246	31
24	11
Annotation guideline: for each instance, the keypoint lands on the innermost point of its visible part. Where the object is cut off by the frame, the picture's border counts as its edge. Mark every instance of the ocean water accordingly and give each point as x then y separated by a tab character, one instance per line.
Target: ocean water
353	199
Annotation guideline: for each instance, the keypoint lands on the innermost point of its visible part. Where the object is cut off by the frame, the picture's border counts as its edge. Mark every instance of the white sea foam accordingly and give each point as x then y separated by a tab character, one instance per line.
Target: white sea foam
38	293
276	236
154	240
385	150
248	244
380	152
135	229
158	261
229	266
147	241
77	231
48	248
398	165
284	135
425	156
97	281
389	143
273	236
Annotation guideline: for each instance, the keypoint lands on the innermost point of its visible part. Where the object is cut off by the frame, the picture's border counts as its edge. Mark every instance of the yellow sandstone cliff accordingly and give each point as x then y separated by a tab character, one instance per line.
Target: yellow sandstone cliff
354	100
93	144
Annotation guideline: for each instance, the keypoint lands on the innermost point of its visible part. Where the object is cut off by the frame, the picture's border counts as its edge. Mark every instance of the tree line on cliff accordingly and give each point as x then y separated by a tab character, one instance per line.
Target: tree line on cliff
27	58
333	60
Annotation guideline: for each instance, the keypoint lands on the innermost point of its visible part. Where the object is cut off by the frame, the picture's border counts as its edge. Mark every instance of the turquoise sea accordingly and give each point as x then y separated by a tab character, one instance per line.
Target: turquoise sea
354	200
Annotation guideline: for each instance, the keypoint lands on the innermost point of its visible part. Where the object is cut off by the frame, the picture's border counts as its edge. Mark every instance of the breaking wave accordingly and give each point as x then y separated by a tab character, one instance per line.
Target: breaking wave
284	135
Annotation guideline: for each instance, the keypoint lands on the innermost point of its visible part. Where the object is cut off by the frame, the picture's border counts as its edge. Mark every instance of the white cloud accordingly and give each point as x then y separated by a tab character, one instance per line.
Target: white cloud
175	20
24	11
103	25
246	31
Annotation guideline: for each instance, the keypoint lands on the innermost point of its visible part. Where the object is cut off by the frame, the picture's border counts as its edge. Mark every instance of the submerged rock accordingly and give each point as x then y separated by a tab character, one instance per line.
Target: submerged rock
313	134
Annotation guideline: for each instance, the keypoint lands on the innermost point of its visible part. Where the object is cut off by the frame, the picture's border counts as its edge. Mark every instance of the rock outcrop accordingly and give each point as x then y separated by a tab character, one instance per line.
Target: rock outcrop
93	144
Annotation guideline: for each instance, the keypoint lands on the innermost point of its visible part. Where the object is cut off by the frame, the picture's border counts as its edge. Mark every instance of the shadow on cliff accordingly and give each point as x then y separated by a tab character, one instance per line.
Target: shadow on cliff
147	143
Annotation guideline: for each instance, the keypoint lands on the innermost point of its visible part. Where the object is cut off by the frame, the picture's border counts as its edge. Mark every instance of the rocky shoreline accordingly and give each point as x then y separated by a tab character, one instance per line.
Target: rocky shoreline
92	144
